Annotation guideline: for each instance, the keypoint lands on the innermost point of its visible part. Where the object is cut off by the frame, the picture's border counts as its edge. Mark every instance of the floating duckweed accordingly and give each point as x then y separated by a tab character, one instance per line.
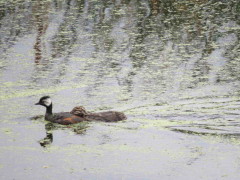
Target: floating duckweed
7	131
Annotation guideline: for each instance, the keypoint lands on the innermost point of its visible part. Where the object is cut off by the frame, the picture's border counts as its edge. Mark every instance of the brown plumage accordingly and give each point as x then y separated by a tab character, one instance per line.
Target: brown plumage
107	116
77	115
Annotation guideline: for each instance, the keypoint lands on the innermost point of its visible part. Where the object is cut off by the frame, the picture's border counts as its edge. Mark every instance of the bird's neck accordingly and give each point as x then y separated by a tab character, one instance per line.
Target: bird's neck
49	109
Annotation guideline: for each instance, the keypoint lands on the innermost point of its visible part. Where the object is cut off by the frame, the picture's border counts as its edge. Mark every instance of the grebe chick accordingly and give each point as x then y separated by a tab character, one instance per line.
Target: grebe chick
107	116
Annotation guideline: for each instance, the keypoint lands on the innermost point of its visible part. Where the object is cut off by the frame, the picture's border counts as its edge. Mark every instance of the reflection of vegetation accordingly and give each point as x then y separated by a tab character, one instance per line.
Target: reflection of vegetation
157	39
67	35
40	12
14	22
126	54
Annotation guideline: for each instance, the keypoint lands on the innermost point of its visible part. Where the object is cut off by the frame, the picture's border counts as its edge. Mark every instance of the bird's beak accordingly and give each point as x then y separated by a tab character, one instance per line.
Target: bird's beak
37	103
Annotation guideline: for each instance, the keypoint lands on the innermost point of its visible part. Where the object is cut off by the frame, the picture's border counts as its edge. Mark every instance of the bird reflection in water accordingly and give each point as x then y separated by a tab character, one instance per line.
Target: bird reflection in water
79	128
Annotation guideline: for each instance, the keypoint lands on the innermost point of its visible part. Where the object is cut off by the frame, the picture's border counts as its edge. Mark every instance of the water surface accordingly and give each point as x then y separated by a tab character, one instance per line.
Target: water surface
171	66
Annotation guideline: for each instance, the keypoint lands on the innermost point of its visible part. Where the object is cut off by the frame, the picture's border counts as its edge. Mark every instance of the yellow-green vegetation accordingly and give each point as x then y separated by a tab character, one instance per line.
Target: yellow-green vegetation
171	66
7	131
39	92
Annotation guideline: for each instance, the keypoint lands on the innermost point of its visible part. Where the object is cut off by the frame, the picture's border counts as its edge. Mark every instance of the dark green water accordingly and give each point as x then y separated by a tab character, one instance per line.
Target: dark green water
173	67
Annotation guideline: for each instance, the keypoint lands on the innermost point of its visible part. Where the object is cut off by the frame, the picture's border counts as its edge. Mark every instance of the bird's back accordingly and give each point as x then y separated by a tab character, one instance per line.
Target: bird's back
64	118
107	116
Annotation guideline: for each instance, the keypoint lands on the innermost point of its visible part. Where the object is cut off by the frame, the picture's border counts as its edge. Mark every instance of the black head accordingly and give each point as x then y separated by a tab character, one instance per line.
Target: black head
45	101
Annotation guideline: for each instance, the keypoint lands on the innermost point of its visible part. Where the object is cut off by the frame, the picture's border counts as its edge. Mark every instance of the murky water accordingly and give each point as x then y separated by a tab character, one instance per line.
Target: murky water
172	66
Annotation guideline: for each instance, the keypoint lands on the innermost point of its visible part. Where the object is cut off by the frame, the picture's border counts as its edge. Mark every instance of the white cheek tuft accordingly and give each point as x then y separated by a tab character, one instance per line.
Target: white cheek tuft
48	102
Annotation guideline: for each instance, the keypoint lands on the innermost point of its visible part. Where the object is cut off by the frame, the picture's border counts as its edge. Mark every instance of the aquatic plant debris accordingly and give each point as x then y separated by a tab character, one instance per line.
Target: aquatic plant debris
171	66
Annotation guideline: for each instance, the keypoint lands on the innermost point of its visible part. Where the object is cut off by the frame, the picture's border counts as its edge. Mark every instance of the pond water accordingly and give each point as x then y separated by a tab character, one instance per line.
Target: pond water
173	67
